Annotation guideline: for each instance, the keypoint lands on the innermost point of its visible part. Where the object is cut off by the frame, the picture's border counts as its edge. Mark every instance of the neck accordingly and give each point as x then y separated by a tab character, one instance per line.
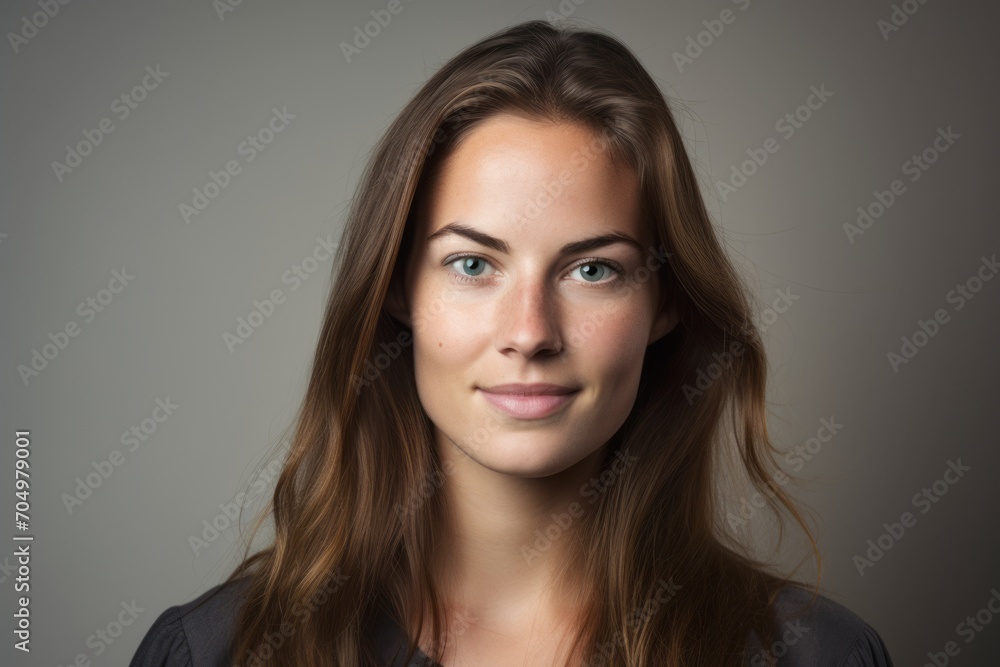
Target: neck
508	550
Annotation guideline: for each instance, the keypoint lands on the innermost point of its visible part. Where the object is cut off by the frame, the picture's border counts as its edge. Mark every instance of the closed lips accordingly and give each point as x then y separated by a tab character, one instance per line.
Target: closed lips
529	389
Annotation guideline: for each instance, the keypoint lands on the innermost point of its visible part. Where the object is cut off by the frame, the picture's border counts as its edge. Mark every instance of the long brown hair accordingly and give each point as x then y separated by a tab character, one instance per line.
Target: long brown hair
362	448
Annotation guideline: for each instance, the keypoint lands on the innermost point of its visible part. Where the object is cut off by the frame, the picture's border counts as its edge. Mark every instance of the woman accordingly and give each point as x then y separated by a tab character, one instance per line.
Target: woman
512	438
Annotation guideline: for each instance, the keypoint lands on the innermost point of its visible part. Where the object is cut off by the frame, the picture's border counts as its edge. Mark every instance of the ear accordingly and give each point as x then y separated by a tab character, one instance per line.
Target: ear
395	302
665	321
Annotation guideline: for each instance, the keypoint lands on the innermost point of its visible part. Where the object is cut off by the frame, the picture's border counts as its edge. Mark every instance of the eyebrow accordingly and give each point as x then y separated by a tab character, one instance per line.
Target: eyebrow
500	245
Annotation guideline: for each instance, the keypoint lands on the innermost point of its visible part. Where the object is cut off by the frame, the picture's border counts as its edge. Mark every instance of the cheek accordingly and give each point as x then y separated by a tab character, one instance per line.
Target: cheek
614	355
446	341
612	341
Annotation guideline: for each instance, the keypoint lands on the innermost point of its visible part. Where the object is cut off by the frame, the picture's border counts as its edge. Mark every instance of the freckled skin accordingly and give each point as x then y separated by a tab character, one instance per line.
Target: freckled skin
520	322
528	315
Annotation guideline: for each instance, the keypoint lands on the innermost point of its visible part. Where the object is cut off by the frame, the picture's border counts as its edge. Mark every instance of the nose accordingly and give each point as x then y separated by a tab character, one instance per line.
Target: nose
528	319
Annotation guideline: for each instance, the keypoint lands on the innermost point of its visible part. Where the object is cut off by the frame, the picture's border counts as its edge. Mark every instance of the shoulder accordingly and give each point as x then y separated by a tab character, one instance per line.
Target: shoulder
820	633
193	634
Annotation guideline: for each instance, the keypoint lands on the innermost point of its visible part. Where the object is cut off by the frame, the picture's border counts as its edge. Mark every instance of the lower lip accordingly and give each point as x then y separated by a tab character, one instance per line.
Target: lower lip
529	407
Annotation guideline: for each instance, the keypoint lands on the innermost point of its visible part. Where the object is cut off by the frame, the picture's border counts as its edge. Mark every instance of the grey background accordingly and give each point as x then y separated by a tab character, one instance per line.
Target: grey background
162	336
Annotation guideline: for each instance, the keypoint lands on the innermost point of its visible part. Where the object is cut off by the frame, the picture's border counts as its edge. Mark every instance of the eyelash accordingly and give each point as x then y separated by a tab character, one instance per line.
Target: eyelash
614	266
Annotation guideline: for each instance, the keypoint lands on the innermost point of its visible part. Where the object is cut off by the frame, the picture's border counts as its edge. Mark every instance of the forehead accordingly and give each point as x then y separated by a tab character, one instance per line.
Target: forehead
511	170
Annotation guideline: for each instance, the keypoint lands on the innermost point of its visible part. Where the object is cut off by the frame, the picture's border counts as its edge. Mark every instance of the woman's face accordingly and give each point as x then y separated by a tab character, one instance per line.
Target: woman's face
495	297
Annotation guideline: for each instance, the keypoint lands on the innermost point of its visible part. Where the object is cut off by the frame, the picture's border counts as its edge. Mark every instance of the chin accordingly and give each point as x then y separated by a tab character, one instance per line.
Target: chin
523	456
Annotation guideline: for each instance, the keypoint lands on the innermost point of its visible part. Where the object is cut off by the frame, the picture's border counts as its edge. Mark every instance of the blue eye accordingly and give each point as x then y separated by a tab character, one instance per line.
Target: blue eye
597	270
475	265
471	268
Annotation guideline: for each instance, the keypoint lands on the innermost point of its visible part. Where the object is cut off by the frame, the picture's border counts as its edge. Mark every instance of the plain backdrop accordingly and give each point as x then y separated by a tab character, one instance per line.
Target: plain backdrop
167	292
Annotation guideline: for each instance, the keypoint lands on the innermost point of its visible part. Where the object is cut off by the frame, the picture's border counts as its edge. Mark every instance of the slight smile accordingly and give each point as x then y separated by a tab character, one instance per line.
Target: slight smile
529	401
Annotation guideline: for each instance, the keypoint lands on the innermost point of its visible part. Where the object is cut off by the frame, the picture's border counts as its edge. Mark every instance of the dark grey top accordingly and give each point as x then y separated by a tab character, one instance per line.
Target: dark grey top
828	634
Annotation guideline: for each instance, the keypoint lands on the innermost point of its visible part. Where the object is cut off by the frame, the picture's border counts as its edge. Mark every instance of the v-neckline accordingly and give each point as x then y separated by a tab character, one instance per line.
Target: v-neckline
394	639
